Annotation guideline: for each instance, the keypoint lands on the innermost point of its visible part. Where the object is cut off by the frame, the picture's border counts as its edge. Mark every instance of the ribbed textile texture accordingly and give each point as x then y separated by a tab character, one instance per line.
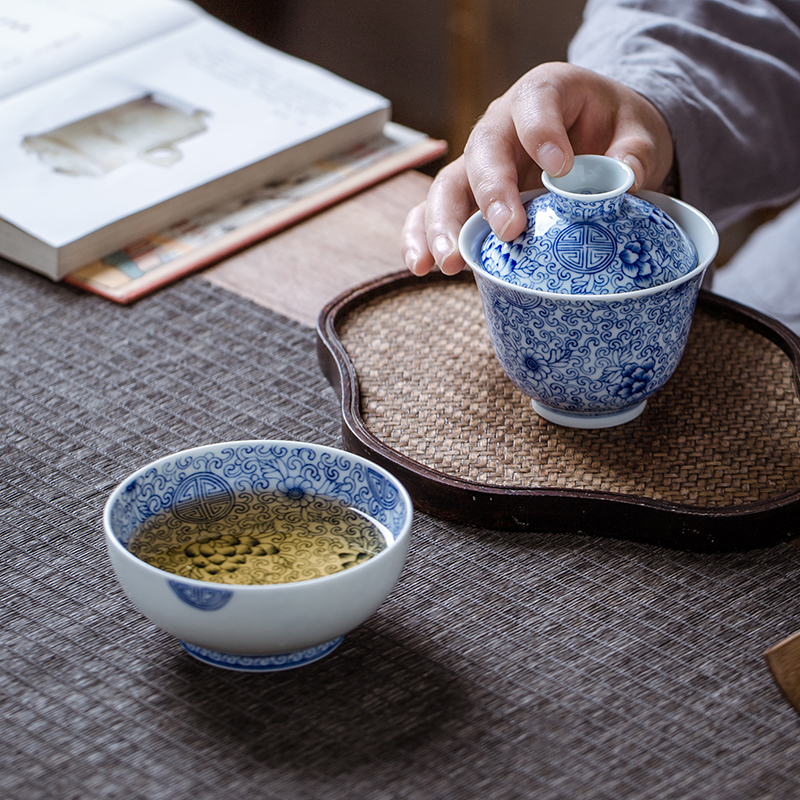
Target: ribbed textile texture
502	665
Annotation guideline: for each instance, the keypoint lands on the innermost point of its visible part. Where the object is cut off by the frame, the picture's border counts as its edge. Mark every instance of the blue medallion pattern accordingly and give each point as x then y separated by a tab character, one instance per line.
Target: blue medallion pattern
584	247
204	598
203	497
580	246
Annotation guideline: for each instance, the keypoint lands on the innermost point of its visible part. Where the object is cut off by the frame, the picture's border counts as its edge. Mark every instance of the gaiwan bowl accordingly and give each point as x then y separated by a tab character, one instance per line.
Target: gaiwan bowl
217	489
592	359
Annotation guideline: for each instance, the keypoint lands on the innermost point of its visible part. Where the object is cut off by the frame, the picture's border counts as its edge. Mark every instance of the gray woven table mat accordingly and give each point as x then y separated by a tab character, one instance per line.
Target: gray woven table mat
502	666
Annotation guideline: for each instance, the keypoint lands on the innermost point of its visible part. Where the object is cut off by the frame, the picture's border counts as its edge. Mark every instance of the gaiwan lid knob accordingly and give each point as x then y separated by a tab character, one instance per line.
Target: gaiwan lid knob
587	235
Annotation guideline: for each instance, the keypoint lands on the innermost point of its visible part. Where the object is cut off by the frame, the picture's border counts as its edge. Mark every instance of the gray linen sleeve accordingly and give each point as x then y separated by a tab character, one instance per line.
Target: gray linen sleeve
726	77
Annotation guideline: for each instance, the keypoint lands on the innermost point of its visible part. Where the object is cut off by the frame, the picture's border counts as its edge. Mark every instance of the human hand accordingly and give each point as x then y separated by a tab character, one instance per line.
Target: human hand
553	112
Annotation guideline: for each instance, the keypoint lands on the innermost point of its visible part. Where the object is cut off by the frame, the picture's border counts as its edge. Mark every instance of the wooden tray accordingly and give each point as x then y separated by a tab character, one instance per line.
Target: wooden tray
712	464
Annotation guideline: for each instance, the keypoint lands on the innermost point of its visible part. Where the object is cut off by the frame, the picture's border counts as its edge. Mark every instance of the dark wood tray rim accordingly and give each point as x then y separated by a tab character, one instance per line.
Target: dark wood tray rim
698	528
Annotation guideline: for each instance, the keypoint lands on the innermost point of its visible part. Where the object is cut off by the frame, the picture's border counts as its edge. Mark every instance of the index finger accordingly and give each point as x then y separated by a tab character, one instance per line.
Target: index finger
521	133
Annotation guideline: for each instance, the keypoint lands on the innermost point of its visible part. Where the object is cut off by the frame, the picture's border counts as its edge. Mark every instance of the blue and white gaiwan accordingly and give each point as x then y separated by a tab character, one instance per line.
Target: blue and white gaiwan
589	309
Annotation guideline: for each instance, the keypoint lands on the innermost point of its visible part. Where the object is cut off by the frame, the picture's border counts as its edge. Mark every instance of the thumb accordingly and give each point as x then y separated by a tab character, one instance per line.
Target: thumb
636	152
649	166
645	145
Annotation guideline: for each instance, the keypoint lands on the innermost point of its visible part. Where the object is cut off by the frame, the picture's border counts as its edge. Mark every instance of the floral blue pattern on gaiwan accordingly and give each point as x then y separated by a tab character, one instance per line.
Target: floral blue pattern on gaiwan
588	236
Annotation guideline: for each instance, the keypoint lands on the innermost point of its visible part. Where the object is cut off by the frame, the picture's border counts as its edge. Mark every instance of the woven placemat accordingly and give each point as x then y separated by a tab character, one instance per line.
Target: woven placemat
504	665
724	431
712	463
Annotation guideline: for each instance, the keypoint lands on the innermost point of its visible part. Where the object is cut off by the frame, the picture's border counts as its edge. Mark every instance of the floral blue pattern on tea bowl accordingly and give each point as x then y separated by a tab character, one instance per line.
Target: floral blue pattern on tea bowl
263	627
591	360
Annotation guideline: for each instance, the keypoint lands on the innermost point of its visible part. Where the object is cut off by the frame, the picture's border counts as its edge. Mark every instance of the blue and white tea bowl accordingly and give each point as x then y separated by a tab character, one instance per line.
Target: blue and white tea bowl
257	628
592	360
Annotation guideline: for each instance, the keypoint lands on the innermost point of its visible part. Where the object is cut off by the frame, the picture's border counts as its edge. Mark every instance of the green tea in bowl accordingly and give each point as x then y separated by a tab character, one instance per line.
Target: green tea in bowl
275	540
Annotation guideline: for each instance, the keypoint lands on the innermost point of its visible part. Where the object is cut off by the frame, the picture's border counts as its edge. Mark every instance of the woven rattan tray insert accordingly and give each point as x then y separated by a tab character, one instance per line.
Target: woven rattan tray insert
713	463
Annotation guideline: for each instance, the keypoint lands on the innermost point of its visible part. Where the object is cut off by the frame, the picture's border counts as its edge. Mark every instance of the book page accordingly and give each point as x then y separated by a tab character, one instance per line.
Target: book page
145	265
43	38
101	143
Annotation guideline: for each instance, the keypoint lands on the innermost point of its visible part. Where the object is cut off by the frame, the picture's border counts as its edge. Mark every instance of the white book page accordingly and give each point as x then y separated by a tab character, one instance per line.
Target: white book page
245	100
43	38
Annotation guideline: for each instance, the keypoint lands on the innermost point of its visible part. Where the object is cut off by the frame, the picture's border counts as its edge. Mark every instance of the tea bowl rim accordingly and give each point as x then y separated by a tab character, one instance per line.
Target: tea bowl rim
288	586
475	230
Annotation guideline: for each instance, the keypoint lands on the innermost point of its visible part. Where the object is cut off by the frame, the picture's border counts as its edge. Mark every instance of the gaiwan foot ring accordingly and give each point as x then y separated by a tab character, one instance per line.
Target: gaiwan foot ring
589	421
273	663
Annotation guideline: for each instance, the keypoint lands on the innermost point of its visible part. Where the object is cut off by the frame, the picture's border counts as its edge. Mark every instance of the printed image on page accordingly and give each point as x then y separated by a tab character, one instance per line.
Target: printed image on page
148	127
252	101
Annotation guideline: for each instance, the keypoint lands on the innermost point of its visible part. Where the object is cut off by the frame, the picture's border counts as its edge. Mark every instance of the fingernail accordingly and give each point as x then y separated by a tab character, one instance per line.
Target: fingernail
498	215
551	158
442	248
412	259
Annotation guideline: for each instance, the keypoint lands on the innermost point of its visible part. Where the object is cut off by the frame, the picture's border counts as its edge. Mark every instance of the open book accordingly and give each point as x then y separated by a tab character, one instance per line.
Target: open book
141	267
119	118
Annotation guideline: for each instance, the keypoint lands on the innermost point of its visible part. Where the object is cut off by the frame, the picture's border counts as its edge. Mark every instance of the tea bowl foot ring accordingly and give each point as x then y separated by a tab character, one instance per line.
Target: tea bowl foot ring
589	421
270	663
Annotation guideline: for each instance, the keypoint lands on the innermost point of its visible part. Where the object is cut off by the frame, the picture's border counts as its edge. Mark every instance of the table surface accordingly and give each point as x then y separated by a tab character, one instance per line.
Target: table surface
284	274
296	272
503	665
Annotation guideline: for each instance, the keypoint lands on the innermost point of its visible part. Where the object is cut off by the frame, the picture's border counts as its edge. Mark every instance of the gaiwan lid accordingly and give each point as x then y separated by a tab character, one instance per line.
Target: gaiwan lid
588	236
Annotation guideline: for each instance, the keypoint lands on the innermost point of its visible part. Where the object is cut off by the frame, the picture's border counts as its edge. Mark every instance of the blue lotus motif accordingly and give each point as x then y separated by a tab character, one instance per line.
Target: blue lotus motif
507	257
635	379
298	489
537	367
636	261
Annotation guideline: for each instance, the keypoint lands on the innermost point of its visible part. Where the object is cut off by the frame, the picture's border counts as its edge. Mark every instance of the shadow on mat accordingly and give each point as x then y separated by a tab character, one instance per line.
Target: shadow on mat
373	699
